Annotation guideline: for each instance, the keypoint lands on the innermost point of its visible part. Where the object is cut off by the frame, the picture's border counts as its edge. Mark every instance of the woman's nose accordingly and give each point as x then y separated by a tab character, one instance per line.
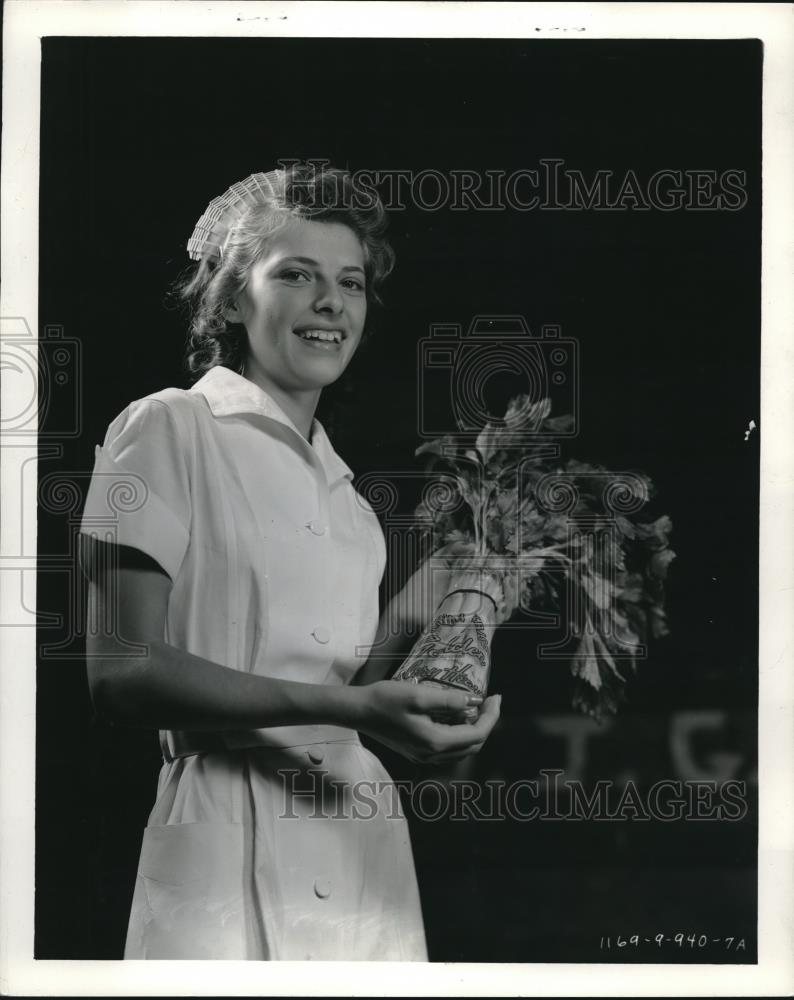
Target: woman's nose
329	298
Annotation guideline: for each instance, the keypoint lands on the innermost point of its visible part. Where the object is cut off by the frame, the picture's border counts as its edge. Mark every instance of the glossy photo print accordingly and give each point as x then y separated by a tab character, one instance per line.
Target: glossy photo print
398	494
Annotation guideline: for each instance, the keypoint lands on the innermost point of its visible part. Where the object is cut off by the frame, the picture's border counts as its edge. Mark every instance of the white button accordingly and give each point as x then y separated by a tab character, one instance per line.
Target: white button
321	634
322	888
316	527
316	755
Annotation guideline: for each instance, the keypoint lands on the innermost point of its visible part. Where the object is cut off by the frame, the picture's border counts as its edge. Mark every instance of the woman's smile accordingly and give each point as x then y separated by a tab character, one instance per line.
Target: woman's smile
321	337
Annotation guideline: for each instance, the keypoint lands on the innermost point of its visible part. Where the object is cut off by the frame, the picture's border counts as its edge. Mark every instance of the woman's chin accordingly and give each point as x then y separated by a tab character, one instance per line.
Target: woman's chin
323	370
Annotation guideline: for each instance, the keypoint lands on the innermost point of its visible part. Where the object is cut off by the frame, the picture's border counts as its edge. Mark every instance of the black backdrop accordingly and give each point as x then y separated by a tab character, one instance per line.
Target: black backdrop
138	134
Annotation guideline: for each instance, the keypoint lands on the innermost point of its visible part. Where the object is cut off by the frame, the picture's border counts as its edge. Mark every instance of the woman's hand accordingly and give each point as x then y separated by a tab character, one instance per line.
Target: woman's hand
401	716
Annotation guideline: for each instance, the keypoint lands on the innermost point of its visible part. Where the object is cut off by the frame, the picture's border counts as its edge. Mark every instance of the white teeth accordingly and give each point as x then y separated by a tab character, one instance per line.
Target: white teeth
331	335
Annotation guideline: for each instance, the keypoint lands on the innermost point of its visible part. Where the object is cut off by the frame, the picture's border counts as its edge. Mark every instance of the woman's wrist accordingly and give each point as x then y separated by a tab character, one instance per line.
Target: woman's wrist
329	704
348	706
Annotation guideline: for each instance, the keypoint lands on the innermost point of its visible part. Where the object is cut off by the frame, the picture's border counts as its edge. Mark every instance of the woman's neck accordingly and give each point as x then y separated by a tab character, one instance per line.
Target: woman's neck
299	406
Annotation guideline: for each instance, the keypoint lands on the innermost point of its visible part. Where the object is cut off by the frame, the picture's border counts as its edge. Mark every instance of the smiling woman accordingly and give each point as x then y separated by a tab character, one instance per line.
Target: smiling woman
245	567
237	229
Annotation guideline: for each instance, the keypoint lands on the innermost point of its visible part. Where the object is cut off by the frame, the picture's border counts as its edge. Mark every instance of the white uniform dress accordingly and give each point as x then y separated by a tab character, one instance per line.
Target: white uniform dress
276	843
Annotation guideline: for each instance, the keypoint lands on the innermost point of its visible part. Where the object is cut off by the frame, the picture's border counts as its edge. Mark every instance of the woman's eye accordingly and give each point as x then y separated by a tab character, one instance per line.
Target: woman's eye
292	275
354	284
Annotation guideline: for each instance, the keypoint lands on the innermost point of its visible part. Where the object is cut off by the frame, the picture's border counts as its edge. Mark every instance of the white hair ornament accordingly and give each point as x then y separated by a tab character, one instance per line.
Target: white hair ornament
212	229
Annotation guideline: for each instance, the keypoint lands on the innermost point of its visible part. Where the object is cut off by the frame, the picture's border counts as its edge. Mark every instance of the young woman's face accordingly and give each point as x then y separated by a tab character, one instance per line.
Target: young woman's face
304	305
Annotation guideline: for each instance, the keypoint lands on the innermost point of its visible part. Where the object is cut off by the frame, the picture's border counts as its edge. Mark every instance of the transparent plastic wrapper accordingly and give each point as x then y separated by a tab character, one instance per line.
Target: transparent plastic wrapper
454	650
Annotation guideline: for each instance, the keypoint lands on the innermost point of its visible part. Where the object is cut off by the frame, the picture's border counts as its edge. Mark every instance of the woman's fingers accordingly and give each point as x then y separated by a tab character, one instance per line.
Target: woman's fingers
445	700
448	706
426	723
467	739
458	718
489	716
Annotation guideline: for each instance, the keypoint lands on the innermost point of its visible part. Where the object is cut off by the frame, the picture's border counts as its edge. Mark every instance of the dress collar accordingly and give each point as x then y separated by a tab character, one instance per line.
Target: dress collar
229	393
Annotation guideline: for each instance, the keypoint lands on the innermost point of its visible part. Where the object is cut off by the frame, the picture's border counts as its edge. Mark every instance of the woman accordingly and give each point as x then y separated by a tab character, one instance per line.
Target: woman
239	570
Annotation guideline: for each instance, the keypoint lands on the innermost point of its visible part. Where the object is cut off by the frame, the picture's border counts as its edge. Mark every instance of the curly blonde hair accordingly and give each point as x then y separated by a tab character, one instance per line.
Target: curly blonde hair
212	285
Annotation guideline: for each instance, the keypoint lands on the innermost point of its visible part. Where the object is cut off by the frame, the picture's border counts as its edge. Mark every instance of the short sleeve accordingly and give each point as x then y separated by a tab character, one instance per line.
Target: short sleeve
139	494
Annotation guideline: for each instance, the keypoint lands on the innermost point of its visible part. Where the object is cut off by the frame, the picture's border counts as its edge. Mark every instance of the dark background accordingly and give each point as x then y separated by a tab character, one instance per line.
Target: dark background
137	135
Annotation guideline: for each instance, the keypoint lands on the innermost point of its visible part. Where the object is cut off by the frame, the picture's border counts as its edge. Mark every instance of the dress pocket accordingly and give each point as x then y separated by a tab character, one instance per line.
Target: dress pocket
189	893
